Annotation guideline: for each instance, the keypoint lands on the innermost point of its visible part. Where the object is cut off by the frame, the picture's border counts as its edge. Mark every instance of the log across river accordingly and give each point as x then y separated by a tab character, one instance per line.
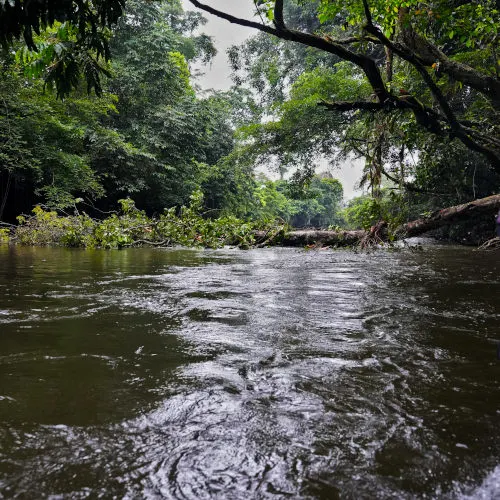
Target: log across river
378	233
269	374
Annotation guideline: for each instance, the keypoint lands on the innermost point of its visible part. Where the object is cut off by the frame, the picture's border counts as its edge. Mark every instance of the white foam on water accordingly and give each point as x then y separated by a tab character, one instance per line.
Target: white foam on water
488	490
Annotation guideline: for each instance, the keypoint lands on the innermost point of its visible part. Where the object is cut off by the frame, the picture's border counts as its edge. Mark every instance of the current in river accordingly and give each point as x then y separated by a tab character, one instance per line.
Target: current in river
270	373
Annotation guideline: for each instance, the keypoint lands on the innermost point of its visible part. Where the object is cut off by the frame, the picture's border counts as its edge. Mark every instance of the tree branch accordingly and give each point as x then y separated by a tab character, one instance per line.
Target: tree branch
429	54
368	66
409	56
368	13
412	59
352	106
409	187
425	116
353	39
279	22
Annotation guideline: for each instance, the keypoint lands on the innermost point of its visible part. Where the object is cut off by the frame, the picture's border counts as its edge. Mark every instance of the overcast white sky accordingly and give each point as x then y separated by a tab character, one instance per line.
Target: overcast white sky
225	34
216	76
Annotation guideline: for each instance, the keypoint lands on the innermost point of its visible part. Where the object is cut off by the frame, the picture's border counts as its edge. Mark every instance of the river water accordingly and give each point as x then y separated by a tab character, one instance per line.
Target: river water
275	373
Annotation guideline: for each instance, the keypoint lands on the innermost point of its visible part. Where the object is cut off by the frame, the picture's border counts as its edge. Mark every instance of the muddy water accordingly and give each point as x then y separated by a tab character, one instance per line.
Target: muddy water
271	373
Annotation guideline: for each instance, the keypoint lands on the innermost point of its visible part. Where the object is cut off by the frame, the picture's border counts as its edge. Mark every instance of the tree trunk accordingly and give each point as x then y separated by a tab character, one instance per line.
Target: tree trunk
450	215
328	238
443	217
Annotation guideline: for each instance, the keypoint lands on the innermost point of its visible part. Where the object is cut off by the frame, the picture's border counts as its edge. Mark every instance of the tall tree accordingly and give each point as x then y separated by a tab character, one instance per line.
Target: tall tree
158	109
408	31
147	136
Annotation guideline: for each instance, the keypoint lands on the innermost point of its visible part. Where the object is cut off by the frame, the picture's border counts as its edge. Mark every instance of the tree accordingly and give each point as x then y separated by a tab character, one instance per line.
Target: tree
148	136
43	143
398	27
80	44
158	110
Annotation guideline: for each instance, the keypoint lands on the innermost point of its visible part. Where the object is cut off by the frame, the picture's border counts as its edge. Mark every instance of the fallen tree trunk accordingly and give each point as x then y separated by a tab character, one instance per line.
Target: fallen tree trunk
310	237
328	238
451	214
379	233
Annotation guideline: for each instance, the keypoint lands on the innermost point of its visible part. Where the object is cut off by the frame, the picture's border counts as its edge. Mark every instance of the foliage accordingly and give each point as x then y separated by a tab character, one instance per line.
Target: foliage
301	132
132	227
4	235
148	136
230	187
80	43
56	56
317	204
158	111
365	211
417	78
43	142
410	87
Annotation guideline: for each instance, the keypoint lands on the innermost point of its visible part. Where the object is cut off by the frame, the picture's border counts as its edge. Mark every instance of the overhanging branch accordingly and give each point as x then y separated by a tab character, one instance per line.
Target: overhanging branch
278	15
429	55
325	44
456	128
424	115
353	39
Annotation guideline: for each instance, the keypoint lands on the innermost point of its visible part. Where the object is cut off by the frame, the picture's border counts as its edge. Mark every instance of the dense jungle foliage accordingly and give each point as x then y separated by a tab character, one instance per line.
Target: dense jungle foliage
392	82
99	104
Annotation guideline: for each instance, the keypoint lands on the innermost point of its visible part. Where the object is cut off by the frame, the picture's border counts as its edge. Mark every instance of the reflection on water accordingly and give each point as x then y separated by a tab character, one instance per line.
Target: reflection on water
264	374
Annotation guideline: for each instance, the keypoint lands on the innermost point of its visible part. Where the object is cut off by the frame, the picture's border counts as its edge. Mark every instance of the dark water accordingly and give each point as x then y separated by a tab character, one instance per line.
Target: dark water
262	374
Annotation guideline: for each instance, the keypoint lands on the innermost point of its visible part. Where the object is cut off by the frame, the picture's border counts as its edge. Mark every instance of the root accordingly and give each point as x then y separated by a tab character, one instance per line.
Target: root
492	244
375	237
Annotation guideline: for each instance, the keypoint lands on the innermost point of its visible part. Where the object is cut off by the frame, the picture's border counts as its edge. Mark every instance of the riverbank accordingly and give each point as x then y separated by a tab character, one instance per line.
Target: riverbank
469	224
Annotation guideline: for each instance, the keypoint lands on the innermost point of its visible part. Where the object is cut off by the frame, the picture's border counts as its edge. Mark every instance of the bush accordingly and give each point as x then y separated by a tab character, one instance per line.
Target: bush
4	235
132	227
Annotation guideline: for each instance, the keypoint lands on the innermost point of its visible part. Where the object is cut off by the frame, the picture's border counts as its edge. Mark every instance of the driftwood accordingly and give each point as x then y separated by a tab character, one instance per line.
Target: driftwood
493	244
378	233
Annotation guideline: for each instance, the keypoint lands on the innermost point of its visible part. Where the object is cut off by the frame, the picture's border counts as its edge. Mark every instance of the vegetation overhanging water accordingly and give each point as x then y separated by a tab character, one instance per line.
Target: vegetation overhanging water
269	373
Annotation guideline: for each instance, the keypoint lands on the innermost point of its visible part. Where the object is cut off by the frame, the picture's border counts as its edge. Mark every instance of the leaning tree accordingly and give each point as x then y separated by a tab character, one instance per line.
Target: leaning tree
428	37
423	34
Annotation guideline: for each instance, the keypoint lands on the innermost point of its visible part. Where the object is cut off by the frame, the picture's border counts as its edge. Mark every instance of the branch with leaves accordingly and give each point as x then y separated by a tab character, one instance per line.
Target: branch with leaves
455	128
433	121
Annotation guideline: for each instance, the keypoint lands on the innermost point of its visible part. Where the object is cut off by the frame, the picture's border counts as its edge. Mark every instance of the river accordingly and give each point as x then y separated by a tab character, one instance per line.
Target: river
271	373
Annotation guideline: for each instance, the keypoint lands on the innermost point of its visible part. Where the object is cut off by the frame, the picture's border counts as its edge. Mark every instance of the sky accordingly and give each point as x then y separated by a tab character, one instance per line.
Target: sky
225	34
217	75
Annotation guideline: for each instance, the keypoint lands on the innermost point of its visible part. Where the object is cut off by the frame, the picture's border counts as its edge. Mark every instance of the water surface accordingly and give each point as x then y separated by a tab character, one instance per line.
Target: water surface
274	373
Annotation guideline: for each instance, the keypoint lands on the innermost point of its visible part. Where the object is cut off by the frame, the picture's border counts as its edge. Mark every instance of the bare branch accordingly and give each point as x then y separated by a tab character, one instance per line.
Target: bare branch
258	10
368	14
279	22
